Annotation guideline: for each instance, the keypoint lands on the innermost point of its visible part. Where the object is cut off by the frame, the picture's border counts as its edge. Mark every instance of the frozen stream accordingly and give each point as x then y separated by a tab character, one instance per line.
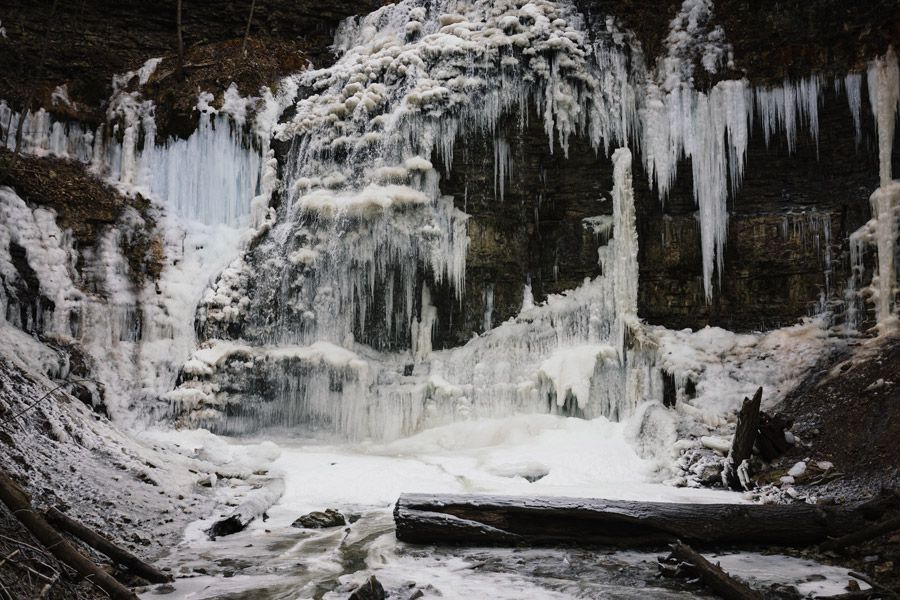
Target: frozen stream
271	560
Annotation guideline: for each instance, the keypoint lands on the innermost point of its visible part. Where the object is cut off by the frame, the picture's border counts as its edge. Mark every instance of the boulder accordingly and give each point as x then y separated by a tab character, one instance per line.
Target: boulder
320	520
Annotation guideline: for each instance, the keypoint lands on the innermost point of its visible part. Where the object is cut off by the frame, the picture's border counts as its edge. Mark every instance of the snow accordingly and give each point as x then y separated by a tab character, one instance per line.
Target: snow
727	366
720	445
797	470
811	579
692	38
50	255
571	369
371	198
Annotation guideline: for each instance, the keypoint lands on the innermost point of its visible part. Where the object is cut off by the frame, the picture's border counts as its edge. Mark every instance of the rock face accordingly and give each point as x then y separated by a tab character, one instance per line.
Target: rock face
83	45
533	231
788	230
787	245
789	222
772	40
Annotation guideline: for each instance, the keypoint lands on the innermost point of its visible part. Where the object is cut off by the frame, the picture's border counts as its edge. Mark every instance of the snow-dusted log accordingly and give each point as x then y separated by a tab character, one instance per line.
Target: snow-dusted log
742	445
19	504
99	543
713	576
500	520
255	505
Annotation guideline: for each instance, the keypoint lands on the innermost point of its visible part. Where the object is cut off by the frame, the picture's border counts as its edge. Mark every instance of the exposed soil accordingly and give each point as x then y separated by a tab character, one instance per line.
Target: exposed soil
85	205
847	413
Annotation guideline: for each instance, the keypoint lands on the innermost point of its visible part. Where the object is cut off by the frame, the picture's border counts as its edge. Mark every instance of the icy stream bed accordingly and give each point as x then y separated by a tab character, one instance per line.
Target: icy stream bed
530	454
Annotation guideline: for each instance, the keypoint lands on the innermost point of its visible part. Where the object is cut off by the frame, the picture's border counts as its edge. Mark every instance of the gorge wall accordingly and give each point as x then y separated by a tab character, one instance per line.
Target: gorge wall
537	218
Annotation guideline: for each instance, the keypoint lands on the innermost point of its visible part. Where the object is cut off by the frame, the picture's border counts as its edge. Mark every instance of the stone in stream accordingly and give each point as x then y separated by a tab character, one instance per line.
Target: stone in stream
370	590
320	520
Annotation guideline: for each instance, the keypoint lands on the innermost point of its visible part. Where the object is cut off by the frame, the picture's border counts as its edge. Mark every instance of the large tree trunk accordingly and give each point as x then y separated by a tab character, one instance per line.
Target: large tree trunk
742	445
498	520
19	504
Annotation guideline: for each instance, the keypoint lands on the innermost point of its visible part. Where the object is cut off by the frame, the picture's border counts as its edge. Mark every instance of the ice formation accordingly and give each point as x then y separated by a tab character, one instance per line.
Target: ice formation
205	192
212	190
544	361
363	234
881	231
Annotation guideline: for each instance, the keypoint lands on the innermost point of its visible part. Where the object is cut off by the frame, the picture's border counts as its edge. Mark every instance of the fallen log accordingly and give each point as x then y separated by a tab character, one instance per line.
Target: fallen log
499	520
875	585
18	502
255	505
713	576
862	535
869	594
736	474
99	543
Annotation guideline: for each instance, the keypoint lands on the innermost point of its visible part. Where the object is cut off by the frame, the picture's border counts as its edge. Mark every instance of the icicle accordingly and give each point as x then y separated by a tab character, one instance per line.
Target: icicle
852	85
884	95
487	320
713	132
503	166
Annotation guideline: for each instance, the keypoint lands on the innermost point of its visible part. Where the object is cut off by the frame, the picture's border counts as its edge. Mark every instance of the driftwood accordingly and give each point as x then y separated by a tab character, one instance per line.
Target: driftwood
99	543
713	576
742	445
504	521
18	502
862	535
255	505
877	587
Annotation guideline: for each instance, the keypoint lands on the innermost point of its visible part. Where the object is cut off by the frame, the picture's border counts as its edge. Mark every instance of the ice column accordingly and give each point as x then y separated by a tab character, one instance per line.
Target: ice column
624	264
884	94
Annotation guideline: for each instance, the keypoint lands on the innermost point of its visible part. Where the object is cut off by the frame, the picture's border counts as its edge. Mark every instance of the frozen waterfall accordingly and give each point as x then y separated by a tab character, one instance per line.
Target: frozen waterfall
327	321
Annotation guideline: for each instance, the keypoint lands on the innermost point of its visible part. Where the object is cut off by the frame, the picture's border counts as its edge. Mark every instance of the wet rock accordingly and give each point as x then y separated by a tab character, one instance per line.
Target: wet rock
320	520
370	590
227	526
